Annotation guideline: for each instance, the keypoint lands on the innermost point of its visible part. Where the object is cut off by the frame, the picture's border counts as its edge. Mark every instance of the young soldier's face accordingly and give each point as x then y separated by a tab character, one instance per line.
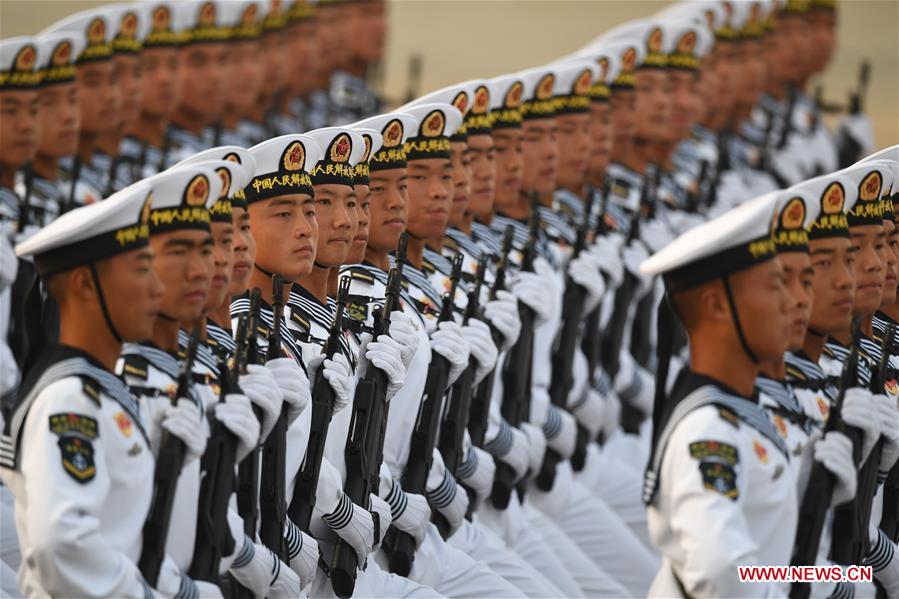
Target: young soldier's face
204	80
286	234
304	54
19	127
482	162
430	196
573	137
870	267
244	251
60	120
335	215
623	107
755	72
833	284
725	71
541	156
99	97
686	104
388	206
461	181
222	264
244	77
509	166
601	136
133	292
764	307
183	264
798	279
363	218
890	261
823	33
653	103
160	81
128	74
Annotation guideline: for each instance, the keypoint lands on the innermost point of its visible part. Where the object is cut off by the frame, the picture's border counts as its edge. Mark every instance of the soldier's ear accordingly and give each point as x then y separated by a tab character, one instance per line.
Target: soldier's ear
713	302
79	284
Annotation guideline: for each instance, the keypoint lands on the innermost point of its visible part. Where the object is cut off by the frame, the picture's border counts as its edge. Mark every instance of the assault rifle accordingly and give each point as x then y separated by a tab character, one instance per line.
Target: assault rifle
169	462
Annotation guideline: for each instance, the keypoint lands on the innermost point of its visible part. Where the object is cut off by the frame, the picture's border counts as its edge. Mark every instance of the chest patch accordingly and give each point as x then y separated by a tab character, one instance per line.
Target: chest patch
124	424
760	451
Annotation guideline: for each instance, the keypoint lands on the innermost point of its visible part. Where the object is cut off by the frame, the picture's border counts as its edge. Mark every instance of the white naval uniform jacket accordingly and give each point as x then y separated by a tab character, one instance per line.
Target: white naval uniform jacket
724	496
77	459
151	375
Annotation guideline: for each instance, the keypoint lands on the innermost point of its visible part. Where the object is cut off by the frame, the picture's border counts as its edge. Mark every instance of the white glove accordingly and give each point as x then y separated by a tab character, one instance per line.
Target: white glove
859	411
607	253
185	422
632	256
286	584
260	385
207	590
888	416
9	371
403	332
477	471
584	271
410	512
382	509
337	372
294	385
485	353
611	414
655	234
302	551
253	567
834	451
237	416
859	129
536	445
561	431
445	495
385	354
9	264
354	525
590	412
548	274
448	342
503	315
533	292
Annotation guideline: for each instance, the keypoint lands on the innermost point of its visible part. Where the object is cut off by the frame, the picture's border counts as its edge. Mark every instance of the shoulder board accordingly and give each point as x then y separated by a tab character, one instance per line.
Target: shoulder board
136	365
91	388
295	317
361	275
795	373
729	416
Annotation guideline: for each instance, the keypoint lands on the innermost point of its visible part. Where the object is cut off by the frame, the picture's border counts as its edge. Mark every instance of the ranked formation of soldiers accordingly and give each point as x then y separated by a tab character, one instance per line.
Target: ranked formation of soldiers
613	326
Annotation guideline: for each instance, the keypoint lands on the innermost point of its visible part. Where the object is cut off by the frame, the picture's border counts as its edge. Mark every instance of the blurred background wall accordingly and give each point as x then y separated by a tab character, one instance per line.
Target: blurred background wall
464	39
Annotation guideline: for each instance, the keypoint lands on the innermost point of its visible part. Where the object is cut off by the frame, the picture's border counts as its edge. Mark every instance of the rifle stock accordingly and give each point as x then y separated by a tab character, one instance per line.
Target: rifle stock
272	488
424	436
300	511
247	352
819	491
165	478
214	538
